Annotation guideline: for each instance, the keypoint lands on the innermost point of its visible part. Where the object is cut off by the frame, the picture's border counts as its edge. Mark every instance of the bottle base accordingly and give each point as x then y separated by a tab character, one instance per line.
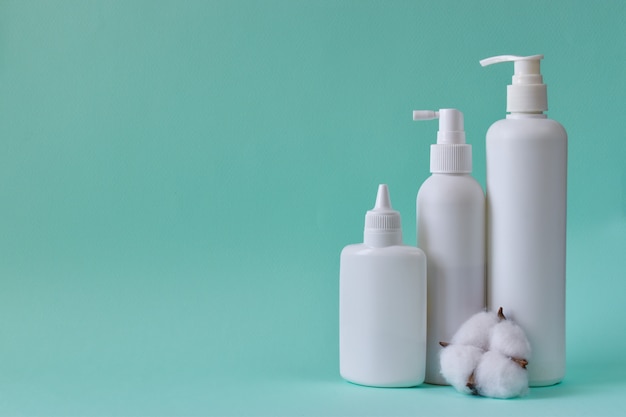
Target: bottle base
385	384
436	381
545	383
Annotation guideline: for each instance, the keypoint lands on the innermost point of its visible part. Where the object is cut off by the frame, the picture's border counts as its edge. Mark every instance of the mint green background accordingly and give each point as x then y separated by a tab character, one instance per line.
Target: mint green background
177	180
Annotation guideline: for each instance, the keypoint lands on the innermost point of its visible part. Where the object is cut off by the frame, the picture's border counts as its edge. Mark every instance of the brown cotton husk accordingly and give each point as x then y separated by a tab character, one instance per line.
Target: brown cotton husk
471	384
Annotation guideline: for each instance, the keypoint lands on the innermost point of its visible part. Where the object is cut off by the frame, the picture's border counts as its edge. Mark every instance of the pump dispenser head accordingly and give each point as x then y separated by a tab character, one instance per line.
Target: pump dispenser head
451	155
527	93
382	223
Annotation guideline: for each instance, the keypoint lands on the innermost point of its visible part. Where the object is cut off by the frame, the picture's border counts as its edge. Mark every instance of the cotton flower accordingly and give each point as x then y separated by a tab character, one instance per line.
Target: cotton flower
509	339
458	363
487	356
475	331
498	376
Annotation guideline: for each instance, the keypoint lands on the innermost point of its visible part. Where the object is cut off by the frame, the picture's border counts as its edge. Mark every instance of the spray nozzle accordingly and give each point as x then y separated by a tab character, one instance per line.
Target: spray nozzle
425	114
451	155
451	130
527	93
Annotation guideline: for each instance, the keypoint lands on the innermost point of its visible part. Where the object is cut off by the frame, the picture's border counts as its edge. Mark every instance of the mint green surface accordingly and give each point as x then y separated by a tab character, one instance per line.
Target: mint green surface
177	180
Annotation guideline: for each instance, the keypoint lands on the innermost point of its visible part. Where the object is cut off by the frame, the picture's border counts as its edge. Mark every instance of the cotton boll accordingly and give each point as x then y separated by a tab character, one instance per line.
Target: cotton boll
498	376
457	364
509	339
476	330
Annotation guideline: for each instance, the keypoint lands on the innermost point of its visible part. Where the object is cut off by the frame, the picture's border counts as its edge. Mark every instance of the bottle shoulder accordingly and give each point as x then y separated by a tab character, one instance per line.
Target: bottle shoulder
450	188
361	249
526	128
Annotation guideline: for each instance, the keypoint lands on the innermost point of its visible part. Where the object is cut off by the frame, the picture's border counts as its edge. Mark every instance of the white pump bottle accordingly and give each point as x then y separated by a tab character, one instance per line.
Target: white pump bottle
526	206
382	304
451	231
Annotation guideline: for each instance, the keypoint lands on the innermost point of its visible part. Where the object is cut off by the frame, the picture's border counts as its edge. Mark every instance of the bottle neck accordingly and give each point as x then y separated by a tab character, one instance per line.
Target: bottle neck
519	115
454	174
377	239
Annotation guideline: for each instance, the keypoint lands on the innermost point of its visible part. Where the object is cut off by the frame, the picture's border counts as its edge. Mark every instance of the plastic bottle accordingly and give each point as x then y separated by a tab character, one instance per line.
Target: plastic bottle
451	232
382	306
526	206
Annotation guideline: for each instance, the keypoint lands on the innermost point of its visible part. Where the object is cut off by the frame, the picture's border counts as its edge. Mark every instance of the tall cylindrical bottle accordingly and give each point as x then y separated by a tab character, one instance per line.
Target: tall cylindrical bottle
526	221
382	304
451	232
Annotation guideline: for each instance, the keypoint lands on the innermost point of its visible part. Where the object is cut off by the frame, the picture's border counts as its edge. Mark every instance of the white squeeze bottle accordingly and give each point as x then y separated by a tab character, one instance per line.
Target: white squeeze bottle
451	232
382	304
526	217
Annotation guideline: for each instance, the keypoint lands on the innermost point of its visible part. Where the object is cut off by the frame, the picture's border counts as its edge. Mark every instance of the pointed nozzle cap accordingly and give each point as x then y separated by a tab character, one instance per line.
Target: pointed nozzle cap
382	223
383	202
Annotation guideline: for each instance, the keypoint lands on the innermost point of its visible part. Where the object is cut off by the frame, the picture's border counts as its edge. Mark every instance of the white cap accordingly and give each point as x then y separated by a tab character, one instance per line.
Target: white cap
382	223
527	93
451	155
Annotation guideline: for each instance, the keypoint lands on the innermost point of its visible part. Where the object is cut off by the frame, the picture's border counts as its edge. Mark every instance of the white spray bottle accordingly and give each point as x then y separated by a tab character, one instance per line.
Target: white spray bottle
382	304
451	231
526	206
